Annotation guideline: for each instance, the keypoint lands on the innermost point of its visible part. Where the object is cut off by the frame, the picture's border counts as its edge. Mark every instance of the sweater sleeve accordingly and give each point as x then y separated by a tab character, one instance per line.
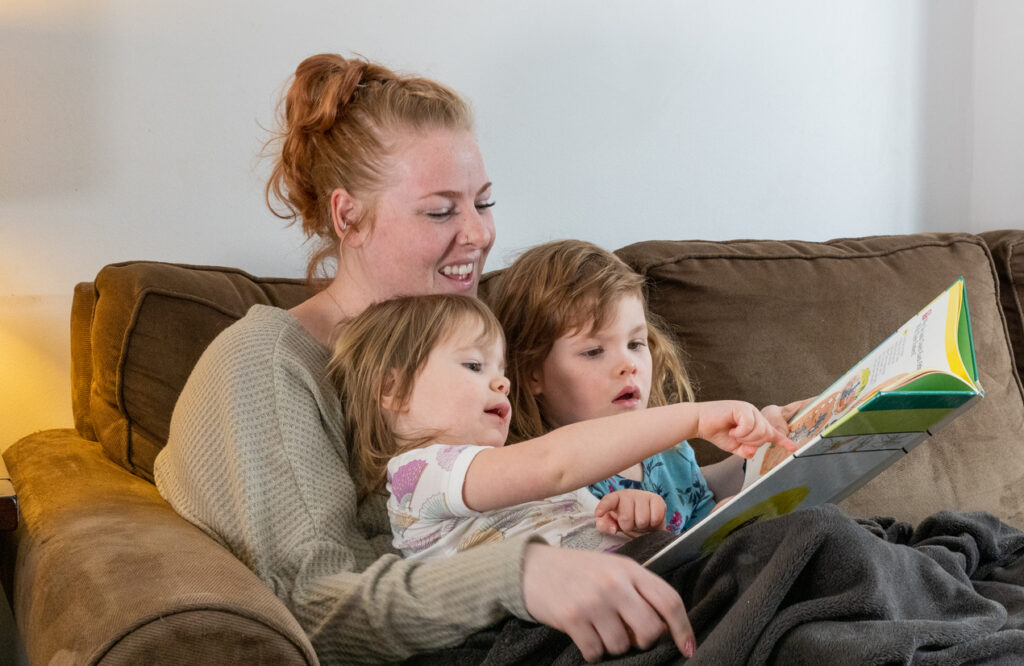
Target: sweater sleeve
255	459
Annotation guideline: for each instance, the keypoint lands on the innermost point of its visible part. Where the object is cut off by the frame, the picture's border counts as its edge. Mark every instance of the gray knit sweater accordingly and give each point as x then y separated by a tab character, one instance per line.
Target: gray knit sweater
256	459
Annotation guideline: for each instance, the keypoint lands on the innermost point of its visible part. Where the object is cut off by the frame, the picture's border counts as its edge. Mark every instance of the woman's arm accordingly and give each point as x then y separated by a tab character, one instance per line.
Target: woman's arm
586	452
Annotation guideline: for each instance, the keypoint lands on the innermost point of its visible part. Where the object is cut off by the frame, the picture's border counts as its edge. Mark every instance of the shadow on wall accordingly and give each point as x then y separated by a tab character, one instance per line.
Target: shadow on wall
48	115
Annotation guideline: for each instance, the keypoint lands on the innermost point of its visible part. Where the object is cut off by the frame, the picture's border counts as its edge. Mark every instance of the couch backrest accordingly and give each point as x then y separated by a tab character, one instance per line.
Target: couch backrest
765	321
137	331
772	322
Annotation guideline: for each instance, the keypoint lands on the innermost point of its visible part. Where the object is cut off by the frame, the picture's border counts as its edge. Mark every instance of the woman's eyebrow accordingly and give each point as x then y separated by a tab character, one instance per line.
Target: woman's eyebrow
453	194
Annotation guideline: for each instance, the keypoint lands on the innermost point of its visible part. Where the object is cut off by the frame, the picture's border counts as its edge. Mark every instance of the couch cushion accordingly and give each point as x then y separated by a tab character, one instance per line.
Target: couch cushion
150	324
772	322
1007	248
83	305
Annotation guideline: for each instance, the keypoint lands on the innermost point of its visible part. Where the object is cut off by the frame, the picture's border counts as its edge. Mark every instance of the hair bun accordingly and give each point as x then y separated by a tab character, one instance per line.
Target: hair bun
323	86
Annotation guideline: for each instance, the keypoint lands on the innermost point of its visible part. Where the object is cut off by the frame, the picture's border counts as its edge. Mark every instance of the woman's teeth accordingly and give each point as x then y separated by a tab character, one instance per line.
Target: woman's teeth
457	271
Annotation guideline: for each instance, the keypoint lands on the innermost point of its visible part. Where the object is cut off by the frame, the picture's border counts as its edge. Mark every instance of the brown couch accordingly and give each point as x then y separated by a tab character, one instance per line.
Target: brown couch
102	570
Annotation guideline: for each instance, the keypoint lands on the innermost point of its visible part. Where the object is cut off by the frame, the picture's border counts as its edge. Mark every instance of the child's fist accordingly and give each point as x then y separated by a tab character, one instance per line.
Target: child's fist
631	512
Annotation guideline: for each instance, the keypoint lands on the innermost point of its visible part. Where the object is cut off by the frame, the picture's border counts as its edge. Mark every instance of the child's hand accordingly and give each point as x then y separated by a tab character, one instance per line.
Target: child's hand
779	416
632	512
738	427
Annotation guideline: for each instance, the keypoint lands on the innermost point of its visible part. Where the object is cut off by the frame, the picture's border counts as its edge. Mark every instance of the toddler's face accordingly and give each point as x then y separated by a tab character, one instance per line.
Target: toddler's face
460	393
597	373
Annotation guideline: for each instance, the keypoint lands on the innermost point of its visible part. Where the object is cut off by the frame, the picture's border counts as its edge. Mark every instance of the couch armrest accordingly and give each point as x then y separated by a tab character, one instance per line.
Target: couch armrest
104	571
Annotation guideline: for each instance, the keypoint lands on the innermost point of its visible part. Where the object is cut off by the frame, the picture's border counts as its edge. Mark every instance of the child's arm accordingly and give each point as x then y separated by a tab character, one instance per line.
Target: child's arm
587	451
630	511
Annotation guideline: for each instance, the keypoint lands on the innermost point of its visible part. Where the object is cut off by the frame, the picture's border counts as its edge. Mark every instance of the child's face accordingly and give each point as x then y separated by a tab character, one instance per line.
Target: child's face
597	373
460	393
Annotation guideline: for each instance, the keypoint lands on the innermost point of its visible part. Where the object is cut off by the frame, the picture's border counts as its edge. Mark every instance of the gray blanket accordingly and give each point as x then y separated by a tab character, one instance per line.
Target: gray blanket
817	587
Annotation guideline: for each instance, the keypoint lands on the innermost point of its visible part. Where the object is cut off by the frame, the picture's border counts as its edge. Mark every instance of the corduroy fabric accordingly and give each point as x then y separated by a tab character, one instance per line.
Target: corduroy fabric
106	570
774	321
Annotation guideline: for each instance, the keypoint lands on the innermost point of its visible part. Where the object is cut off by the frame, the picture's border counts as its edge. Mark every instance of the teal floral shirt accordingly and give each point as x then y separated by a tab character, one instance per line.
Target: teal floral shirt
675	475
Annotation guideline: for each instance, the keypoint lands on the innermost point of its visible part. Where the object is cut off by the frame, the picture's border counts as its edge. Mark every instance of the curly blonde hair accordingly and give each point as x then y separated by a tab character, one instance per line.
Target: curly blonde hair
562	288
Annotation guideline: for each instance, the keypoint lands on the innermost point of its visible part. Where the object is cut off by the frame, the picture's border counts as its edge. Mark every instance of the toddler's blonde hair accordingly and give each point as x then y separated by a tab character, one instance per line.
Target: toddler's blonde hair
380	352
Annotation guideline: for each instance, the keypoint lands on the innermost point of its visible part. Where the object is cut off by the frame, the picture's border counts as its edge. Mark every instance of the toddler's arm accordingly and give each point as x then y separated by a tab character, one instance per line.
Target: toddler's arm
630	511
587	451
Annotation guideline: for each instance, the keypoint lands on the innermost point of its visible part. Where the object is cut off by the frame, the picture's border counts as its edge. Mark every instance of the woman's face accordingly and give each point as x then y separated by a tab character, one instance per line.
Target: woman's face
433	226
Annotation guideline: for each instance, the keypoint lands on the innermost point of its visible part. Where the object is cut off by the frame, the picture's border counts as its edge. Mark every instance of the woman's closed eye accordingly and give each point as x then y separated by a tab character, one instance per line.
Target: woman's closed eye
443	214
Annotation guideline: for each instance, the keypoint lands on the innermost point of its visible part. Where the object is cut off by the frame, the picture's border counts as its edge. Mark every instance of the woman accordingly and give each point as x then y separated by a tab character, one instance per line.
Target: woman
384	172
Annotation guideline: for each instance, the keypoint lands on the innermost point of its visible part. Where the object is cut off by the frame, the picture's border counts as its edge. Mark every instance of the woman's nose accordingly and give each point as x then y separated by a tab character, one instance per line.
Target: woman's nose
477	229
500	384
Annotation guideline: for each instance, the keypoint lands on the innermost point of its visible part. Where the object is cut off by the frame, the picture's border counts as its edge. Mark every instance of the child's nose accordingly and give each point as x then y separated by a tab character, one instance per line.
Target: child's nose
500	384
627	367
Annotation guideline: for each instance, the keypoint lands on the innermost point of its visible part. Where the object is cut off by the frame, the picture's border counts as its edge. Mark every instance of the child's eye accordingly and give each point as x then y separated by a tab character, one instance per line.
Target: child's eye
473	366
637	344
592	353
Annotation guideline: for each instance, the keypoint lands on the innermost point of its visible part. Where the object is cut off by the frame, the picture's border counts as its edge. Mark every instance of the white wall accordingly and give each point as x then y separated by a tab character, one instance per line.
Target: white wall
997	182
131	130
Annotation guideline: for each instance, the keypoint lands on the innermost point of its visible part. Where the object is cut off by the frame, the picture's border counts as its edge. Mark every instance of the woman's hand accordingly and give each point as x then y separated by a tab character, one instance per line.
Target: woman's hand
606	603
738	427
630	511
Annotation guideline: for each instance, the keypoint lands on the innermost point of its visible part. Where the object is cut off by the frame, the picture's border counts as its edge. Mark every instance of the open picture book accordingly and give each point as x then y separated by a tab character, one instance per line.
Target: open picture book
915	382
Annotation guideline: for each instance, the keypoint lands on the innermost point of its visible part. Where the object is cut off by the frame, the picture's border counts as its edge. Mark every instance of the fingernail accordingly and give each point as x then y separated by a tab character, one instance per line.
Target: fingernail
689	647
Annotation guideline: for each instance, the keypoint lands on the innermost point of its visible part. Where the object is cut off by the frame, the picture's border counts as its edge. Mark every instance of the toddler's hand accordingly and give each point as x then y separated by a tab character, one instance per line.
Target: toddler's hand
632	512
739	428
779	416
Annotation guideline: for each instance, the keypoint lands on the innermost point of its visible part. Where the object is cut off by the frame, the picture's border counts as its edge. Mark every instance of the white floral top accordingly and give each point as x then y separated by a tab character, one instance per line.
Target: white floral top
429	518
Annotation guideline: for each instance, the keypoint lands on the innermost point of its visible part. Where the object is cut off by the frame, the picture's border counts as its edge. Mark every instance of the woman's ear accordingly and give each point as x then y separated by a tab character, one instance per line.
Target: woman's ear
345	214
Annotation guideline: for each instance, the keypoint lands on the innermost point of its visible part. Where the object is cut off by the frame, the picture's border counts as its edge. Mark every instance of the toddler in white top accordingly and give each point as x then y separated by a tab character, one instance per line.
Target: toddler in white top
424	379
